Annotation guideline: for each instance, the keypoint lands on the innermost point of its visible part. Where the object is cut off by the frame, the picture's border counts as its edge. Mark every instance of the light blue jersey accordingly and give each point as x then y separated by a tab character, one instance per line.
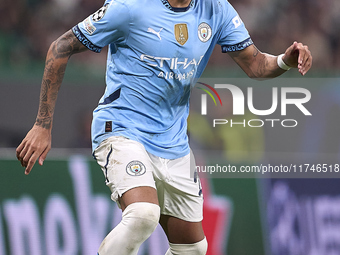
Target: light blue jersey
156	54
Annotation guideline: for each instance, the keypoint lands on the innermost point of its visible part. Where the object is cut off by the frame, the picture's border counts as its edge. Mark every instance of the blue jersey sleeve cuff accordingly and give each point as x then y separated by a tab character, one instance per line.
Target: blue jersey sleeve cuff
86	42
237	47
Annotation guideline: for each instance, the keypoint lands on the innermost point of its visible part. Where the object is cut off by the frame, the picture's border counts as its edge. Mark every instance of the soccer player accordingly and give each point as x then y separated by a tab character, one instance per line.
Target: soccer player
157	50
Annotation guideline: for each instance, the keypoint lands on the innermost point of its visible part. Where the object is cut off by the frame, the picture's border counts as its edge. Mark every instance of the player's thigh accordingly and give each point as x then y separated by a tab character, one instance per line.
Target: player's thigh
180	198
180	231
128	171
179	190
138	194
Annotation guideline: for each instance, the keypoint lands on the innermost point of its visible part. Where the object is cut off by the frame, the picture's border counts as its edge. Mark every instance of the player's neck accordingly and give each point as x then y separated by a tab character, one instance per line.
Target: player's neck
179	3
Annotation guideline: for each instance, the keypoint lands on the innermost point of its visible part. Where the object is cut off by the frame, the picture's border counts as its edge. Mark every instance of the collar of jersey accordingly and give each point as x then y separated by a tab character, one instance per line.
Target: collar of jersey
175	9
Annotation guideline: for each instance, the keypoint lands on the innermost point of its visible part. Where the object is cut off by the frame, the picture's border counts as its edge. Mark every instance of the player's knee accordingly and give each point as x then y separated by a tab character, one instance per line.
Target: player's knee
138	222
199	248
145	216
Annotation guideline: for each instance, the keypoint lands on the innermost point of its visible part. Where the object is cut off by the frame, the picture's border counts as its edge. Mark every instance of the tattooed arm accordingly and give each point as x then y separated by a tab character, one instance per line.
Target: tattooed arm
261	65
37	142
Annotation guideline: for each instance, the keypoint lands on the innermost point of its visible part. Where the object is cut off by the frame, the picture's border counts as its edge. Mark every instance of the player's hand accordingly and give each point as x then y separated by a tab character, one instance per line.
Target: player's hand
36	144
298	56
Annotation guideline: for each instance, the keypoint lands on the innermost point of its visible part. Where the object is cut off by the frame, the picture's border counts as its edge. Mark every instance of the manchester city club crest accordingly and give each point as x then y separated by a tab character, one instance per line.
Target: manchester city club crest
135	168
204	32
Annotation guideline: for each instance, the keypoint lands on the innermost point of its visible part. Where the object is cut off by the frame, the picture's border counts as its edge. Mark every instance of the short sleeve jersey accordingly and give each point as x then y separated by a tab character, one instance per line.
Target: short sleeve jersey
156	54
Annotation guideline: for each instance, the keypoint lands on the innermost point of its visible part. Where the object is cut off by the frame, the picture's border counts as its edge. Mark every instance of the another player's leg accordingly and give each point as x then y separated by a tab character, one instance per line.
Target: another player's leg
184	237
140	218
129	175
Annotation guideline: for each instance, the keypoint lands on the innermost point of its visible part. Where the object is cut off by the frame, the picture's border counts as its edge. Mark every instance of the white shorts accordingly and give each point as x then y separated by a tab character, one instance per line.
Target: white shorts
127	165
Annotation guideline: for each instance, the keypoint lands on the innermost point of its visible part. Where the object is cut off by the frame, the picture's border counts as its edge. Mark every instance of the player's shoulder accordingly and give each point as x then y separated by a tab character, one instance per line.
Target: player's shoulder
126	8
215	6
129	3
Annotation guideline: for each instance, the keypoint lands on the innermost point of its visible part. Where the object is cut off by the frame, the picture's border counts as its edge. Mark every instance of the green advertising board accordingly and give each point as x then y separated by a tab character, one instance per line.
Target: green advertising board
64	208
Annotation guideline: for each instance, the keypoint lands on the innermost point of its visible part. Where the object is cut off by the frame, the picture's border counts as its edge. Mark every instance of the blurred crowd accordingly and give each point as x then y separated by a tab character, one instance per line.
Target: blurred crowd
29	26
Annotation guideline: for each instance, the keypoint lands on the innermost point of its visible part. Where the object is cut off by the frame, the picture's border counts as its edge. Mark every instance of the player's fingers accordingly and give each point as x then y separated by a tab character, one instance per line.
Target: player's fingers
304	68
291	49
23	154
306	60
19	149
307	56
43	155
302	53
310	62
292	54
31	162
24	150
307	65
295	45
27	157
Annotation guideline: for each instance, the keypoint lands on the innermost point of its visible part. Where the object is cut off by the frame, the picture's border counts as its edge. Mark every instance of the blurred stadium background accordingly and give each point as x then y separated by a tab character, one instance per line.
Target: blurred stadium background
63	208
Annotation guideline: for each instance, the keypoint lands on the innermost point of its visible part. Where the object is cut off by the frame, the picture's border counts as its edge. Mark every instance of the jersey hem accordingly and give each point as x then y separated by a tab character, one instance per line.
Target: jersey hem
166	155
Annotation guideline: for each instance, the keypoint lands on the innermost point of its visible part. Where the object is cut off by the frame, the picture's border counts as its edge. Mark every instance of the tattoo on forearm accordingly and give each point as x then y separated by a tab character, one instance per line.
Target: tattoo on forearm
54	72
255	52
67	45
262	62
262	66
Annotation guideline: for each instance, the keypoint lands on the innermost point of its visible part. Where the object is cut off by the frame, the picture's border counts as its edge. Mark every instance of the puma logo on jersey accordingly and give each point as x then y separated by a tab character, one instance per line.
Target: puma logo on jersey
151	30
